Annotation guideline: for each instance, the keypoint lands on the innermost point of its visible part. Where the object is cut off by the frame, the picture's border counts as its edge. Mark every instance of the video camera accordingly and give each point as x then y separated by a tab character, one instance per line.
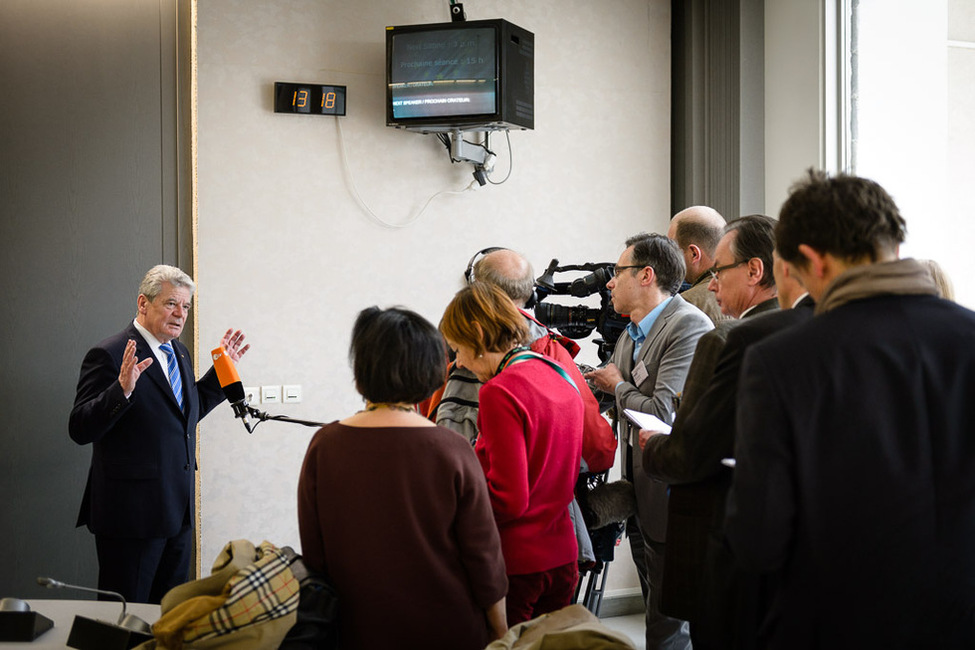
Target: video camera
578	322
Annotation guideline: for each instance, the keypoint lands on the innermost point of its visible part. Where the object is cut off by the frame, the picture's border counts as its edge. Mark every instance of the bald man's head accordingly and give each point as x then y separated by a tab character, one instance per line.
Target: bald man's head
508	270
697	231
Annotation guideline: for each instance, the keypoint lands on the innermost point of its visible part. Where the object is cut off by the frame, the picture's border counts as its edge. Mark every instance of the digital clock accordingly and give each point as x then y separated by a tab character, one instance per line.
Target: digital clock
310	99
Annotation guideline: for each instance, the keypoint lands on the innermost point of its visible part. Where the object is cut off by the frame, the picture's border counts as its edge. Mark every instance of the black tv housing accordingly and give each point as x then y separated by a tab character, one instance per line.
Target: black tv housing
469	75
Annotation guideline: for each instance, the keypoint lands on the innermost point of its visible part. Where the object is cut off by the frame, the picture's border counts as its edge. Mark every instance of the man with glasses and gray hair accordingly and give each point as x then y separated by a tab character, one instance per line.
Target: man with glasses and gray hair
647	373
741	278
689	459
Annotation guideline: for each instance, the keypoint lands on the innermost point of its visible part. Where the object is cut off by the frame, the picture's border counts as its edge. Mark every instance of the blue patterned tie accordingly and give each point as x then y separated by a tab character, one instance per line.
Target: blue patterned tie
173	372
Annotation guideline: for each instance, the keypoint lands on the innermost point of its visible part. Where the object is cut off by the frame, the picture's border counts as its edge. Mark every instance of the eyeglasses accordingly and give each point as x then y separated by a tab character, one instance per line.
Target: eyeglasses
619	269
715	270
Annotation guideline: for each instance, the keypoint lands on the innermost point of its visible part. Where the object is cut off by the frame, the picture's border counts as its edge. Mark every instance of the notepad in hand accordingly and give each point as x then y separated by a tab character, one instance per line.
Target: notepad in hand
647	421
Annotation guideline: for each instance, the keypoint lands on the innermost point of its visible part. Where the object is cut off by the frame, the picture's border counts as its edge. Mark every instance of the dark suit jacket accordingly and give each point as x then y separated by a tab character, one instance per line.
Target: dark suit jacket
855	477
667	353
141	480
690	458
703	436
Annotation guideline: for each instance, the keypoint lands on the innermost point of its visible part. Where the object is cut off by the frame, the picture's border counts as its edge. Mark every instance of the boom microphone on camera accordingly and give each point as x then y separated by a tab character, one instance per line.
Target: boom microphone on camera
232	387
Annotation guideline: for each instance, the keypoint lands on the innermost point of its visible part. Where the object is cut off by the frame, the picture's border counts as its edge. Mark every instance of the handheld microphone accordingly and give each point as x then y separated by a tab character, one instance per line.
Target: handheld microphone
232	387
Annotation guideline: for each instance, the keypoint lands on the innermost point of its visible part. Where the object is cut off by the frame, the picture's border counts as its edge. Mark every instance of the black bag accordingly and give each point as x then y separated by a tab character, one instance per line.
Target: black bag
318	609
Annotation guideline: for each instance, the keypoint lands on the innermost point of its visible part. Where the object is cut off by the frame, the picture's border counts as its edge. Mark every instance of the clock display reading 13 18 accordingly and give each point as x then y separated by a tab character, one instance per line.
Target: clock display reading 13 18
311	99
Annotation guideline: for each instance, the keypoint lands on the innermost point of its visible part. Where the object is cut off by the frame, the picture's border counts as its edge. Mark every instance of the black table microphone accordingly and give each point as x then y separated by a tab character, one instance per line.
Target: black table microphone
18	623
91	634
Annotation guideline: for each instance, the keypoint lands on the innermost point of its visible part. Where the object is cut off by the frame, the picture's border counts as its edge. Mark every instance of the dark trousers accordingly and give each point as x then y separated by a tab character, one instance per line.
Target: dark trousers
532	594
143	570
662	631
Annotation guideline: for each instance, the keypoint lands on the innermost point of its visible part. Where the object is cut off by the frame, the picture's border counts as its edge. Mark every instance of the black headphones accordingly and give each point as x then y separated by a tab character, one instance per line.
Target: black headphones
469	273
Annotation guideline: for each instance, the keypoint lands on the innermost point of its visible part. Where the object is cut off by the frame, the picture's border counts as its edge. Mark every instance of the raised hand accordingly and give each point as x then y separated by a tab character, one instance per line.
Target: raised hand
233	343
131	368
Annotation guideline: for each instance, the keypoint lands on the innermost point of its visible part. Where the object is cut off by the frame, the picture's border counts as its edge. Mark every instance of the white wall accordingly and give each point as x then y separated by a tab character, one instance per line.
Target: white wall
286	253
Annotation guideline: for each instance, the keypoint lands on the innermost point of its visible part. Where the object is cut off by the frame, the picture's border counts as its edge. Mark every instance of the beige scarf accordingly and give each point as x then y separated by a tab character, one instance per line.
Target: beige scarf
905	277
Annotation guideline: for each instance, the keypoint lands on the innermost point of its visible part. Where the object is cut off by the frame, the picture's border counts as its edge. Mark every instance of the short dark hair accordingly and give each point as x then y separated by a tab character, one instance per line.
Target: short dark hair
755	238
663	255
396	355
849	217
704	235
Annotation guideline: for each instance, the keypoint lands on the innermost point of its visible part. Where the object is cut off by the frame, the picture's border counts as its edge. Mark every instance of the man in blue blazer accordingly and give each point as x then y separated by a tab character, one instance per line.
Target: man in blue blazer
138	404
855	476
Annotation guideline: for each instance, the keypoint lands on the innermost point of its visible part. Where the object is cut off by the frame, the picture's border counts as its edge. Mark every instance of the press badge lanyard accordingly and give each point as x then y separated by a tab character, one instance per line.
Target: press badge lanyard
520	354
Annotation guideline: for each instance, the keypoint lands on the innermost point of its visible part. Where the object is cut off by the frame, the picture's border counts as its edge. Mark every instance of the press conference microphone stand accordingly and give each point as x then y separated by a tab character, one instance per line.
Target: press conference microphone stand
91	634
233	390
261	416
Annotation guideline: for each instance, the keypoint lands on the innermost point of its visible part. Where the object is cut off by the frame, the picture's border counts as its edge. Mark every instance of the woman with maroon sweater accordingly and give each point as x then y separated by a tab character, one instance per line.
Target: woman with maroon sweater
530	444
395	509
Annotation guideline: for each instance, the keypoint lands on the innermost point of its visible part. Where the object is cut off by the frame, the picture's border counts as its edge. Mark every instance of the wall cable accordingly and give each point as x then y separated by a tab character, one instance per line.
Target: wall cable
365	208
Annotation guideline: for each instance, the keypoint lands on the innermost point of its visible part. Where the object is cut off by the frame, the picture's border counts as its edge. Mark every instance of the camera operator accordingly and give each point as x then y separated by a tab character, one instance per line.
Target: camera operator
457	408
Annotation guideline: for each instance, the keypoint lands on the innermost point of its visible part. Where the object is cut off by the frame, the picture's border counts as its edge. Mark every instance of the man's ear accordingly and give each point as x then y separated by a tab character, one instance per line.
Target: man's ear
816	262
647	276
695	252
141	303
756	270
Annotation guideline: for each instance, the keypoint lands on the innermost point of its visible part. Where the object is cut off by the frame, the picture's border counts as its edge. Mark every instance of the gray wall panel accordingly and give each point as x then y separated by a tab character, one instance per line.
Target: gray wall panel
84	204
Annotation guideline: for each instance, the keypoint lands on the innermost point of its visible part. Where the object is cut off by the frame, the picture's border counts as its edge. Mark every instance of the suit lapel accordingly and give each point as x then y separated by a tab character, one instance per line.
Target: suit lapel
772	304
158	374
659	325
625	345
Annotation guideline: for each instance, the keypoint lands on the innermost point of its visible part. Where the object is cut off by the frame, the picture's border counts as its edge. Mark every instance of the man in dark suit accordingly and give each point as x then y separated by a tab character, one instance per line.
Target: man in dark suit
646	372
138	403
701	579
743	283
855	477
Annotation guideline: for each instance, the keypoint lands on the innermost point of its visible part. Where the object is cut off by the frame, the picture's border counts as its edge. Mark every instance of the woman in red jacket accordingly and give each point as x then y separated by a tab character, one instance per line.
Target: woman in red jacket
530	421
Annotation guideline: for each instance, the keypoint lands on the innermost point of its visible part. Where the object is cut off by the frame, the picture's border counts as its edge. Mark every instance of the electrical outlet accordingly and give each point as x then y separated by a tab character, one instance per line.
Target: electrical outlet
270	394
252	394
292	394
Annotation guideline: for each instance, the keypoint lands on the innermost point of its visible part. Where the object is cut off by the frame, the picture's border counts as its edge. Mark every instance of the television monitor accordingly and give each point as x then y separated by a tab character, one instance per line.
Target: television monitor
470	75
